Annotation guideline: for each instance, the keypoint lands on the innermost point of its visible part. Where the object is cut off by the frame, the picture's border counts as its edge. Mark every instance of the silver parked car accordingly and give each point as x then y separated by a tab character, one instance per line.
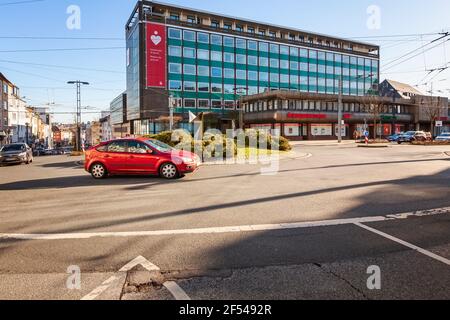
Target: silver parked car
444	137
16	153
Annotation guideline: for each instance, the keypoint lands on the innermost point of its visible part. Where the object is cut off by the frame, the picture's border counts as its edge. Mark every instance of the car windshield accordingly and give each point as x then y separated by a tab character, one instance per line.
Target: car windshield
160	146
446	134
12	147
410	133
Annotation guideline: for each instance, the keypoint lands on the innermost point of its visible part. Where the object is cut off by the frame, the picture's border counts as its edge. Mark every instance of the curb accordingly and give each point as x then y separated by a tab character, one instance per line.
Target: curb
373	146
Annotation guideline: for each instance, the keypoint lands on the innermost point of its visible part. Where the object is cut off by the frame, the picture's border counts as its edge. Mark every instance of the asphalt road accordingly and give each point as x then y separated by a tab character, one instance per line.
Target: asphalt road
54	215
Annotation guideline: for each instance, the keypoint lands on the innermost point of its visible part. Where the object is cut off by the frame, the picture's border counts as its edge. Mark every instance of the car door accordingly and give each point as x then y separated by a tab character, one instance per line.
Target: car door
115	157
141	158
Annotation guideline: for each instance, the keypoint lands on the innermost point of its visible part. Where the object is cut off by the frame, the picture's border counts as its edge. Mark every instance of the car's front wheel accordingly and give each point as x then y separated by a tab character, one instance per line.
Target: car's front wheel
168	171
98	171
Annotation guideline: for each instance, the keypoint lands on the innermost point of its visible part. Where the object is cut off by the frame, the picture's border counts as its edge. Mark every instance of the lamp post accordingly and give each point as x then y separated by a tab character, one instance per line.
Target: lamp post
78	136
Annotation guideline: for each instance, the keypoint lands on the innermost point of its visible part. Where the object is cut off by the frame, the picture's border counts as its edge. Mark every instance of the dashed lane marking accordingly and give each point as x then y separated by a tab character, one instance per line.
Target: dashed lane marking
218	230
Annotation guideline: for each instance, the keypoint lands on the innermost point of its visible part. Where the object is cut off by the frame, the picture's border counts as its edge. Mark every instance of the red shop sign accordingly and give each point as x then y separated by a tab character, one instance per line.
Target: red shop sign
306	116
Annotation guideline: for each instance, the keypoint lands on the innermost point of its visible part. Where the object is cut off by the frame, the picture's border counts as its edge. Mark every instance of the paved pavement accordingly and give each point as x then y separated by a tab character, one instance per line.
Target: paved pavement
310	231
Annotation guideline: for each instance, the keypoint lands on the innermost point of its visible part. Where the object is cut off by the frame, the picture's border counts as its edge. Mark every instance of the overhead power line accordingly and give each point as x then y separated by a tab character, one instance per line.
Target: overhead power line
61	49
60	38
60	67
19	2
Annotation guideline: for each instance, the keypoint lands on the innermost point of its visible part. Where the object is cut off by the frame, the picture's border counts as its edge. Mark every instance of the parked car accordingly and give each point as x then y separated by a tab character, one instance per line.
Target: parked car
16	153
39	151
65	150
139	157
412	136
444	137
394	137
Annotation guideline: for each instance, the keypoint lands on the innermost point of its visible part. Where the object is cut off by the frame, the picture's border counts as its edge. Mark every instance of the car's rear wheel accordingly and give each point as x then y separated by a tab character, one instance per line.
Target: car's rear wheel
98	171
168	171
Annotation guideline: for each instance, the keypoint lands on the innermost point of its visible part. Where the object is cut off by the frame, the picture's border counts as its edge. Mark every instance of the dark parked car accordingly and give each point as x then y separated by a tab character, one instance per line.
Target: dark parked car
16	153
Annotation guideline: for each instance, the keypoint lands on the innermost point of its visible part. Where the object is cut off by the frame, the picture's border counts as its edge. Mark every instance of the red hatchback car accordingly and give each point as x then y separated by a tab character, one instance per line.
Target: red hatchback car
139	156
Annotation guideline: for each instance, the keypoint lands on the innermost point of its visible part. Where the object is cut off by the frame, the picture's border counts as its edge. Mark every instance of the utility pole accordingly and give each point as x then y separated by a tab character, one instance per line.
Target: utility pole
340	117
78	120
171	110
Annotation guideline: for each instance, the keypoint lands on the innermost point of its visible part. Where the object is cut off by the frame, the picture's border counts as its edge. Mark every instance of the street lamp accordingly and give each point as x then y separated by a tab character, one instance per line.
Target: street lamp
78	138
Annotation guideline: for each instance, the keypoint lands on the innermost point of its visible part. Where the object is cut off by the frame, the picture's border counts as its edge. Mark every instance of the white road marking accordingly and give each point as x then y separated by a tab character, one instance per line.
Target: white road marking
218	230
406	244
174	288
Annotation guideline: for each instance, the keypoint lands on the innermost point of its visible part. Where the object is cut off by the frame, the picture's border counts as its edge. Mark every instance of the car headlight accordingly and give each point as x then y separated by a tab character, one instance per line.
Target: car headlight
23	154
187	160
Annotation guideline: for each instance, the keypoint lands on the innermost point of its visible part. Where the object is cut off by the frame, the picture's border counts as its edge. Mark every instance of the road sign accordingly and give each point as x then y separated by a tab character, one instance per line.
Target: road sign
439	124
192	117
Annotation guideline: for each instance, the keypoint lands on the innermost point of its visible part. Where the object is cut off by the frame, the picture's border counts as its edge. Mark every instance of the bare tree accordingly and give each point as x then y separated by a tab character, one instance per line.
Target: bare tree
433	110
375	105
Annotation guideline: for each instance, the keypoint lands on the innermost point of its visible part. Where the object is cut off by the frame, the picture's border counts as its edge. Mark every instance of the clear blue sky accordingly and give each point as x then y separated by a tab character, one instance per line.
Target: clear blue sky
106	19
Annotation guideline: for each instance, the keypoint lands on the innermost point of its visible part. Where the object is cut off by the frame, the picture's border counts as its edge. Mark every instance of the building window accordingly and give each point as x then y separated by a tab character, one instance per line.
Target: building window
216	104
216	88
175	85
189	86
274	63
272	34
241	74
229	104
190	103
251	30
203	104
174	51
228	42
189	35
189	69
241	43
239	28
215	24
253	76
252	60
174	16
284	50
203	87
191	19
203	71
241	59
216	39
229	73
216	72
263	62
216	56
203	54
203	37
253	45
189	53
227	26
175	68
262	32
274	48
174	33
228	57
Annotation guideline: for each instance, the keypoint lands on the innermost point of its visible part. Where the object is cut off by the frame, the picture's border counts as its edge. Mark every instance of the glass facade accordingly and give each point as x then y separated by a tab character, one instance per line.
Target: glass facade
210	71
133	111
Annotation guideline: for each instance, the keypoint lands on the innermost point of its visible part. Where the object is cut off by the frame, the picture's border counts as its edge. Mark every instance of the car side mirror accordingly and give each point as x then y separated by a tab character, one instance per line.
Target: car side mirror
149	151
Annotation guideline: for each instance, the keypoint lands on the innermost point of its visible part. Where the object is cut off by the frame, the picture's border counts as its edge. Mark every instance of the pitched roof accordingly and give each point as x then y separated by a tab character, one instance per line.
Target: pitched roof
403	87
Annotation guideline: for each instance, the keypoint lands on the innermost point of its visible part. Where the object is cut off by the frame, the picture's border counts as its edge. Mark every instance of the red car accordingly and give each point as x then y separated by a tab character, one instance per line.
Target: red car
139	156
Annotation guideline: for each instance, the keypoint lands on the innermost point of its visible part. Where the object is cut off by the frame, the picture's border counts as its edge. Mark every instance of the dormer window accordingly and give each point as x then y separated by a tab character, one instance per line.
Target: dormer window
191	19
228	26
215	24
239	28
175	16
250	30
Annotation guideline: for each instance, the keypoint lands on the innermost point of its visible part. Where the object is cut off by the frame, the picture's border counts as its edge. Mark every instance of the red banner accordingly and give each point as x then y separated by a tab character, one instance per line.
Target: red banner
156	55
306	116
